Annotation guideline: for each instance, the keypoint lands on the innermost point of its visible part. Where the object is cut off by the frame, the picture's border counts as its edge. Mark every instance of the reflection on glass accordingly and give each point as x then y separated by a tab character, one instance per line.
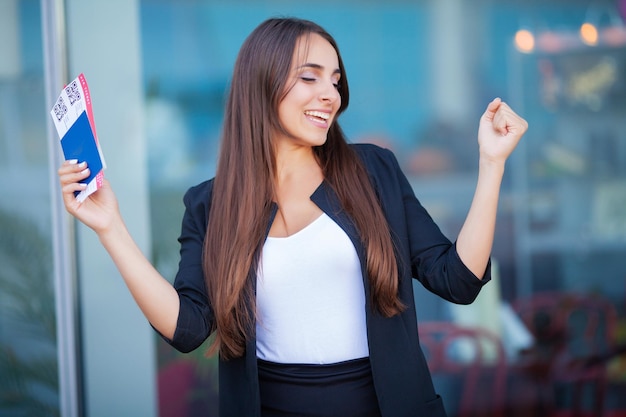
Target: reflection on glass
28	362
28	350
561	233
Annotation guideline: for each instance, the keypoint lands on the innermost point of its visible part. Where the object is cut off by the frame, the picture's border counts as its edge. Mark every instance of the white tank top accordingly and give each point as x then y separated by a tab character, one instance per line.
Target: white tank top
310	297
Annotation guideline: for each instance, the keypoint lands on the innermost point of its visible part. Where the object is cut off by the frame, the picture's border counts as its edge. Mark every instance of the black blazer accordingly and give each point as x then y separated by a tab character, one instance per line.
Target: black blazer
401	377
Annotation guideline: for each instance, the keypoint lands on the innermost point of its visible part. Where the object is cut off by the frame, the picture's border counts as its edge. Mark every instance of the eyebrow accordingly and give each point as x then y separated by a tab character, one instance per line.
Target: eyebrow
317	66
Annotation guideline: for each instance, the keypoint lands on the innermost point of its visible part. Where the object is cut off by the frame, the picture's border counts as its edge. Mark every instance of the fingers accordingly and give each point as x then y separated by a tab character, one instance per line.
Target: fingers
513	123
70	173
501	119
504	119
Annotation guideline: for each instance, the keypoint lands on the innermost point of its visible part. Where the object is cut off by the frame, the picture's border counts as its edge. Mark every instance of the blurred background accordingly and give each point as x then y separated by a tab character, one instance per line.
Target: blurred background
546	337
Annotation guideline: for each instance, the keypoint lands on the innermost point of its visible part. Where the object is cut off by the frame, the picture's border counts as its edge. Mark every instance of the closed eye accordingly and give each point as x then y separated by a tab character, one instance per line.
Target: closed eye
337	85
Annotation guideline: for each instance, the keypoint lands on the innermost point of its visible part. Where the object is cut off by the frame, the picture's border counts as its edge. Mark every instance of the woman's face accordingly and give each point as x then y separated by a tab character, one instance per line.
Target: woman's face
311	104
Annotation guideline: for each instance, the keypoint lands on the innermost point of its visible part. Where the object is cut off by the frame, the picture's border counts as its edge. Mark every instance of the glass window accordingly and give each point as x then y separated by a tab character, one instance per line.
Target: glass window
421	74
28	348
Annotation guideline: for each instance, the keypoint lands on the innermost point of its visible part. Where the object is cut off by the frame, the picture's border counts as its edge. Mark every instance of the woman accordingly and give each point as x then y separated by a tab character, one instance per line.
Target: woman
298	256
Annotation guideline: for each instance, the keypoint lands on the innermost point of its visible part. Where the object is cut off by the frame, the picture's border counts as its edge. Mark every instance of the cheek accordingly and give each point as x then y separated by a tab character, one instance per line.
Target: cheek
287	117
285	112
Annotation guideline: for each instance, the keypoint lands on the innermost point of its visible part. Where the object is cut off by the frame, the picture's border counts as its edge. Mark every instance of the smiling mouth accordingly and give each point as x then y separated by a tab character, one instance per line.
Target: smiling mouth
318	116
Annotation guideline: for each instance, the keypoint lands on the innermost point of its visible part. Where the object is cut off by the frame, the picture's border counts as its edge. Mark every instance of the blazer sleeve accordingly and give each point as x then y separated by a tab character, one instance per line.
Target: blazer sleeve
432	257
195	318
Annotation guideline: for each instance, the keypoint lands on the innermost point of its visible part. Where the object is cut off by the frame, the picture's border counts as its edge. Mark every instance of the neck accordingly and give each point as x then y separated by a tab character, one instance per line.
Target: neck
295	162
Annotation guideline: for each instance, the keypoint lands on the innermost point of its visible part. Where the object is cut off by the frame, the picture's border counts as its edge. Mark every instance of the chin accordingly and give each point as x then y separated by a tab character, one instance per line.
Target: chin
318	142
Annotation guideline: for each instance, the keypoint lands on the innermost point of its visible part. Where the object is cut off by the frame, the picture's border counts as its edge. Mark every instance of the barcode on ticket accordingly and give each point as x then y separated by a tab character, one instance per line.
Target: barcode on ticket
60	109
73	92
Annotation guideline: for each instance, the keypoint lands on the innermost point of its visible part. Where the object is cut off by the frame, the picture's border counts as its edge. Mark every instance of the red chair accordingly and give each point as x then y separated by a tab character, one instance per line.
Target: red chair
472	356
175	383
573	334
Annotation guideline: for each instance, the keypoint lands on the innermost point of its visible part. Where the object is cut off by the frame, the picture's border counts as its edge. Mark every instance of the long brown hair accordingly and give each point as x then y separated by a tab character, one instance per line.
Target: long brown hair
243	187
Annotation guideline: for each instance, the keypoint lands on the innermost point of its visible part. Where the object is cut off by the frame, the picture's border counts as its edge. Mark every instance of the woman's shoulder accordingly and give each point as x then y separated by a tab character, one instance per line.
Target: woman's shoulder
375	157
368	148
199	195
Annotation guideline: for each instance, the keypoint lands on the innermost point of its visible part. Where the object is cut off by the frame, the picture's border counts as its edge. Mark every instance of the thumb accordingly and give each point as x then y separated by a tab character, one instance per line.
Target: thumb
492	108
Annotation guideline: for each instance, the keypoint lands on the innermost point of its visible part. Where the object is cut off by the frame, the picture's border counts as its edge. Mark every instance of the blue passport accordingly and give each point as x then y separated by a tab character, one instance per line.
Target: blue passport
79	143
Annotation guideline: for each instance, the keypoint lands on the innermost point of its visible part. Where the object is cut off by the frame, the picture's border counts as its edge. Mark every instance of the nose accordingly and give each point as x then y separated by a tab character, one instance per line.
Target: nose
329	92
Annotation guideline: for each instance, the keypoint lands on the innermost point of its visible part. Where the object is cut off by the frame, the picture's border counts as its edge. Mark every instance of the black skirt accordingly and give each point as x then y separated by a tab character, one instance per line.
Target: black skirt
342	389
